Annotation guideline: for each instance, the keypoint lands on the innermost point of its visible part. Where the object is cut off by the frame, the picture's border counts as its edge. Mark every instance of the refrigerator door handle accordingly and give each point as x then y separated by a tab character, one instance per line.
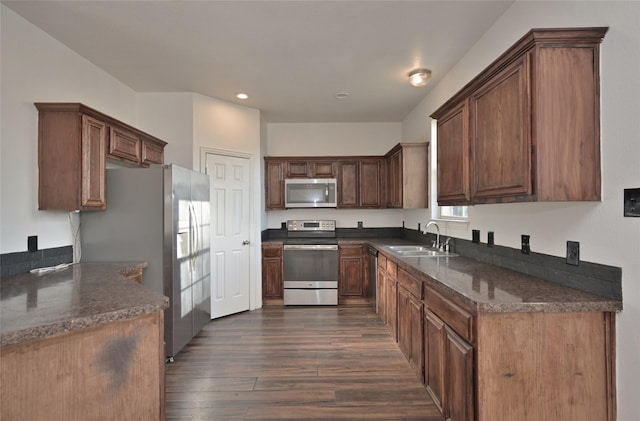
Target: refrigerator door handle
193	239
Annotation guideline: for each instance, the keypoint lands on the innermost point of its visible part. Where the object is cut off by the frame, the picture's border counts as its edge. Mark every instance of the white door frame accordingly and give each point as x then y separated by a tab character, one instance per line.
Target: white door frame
255	238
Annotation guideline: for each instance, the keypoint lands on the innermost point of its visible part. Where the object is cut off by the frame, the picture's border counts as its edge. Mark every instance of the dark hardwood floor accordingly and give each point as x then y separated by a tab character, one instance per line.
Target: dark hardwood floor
298	363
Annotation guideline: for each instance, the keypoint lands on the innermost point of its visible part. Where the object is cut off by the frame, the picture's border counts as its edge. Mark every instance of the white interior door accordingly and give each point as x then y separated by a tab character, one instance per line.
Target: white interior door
230	222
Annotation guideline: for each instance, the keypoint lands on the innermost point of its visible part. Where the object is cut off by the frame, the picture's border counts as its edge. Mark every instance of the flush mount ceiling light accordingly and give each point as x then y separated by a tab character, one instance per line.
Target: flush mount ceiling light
242	95
419	77
342	95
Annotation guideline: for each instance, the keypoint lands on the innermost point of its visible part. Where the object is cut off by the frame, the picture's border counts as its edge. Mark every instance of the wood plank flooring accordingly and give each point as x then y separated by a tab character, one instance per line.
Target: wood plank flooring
298	363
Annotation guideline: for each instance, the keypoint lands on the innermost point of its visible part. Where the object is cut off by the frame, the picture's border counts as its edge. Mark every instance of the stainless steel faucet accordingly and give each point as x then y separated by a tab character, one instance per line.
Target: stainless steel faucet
437	244
446	246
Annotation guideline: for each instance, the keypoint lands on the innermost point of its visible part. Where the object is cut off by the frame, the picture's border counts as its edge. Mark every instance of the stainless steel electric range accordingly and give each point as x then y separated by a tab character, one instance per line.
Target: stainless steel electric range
311	263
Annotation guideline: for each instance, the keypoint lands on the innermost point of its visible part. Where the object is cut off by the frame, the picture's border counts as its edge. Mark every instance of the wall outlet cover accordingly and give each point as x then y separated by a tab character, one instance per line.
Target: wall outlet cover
573	253
525	248
475	236
632	202
490	239
32	243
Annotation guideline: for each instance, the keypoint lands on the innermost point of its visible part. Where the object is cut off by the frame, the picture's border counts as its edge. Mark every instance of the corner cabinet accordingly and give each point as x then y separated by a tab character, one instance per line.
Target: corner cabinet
74	143
528	127
407	176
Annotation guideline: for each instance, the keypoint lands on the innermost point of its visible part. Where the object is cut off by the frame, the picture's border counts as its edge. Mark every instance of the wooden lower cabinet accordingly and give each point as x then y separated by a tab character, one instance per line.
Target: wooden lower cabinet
410	330
351	271
434	350
272	281
391	299
458	365
382	274
111	371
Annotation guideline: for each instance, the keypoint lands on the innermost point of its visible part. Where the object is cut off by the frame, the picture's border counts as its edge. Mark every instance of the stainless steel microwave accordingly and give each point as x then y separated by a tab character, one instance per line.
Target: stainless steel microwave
310	193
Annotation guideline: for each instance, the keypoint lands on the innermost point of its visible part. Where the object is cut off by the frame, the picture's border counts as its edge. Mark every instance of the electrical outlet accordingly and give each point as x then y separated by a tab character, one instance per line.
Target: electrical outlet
573	253
632	202
490	239
525	248
32	243
360	224
475	236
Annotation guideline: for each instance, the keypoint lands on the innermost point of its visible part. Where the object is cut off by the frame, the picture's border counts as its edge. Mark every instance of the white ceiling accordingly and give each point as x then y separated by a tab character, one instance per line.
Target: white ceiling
291	57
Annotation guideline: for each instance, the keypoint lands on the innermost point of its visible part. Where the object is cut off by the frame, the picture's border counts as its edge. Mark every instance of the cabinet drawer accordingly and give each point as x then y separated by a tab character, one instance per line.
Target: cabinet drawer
271	251
410	283
392	268
350	250
454	316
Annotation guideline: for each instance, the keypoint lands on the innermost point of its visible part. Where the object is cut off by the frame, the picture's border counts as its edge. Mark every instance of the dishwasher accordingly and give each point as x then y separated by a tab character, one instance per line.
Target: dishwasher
372	267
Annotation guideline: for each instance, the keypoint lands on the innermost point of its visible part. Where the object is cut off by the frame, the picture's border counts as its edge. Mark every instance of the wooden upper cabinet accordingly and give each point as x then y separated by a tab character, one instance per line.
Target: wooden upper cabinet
533	129
74	142
124	145
407	178
310	168
371	183
360	183
500	128
453	156
348	184
274	183
152	152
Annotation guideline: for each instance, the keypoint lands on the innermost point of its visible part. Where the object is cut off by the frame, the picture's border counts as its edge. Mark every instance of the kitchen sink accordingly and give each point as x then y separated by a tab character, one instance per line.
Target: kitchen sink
420	251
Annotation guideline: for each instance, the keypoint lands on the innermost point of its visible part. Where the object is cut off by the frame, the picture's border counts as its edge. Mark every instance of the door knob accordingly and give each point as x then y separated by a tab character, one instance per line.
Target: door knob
245	242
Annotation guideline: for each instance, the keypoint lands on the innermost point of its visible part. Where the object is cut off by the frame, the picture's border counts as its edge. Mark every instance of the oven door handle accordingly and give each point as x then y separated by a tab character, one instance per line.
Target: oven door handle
311	247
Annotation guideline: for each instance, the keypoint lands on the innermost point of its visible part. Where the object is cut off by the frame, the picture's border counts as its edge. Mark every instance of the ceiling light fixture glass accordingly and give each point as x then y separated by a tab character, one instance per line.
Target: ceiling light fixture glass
419	77
241	95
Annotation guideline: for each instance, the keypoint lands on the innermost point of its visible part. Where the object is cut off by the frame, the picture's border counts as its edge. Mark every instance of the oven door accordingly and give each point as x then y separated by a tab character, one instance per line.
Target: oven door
310	274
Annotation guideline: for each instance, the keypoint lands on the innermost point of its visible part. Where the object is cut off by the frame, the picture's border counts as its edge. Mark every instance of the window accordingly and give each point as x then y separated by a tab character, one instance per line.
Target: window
453	213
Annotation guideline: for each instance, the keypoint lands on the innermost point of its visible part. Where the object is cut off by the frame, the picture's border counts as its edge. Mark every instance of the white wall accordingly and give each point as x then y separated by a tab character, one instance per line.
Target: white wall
333	139
37	68
604	235
169	116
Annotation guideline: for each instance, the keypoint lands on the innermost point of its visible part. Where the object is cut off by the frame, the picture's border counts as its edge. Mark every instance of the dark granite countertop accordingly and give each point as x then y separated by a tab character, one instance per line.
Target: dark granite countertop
482	287
80	296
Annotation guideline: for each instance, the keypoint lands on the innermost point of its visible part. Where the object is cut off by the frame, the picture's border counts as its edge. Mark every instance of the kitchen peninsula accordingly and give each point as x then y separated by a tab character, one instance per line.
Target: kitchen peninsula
83	342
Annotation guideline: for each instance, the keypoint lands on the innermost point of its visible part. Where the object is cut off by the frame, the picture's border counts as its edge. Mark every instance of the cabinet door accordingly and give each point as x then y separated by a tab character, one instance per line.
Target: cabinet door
348	179
391	302
453	156
322	169
416	356
404	323
272	285
297	169
382	310
500	125
94	137
370	183
124	145
434	353
152	152
459	378
394	180
274	185
351	271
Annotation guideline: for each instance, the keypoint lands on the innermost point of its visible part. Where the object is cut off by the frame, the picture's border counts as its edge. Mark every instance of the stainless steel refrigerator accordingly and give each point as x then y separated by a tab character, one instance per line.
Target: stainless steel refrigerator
160	215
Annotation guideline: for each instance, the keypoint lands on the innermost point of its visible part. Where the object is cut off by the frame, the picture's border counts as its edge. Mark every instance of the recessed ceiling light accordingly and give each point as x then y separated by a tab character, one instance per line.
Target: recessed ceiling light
241	95
342	95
